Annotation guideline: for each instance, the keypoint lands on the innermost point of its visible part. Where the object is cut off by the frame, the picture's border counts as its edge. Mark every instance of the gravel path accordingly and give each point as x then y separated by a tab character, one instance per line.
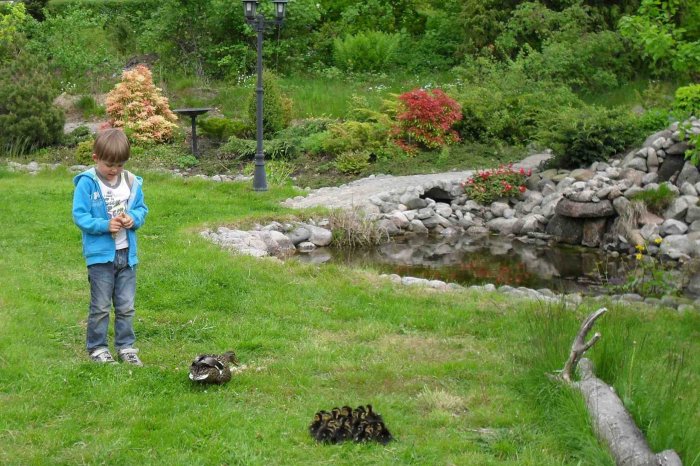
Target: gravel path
358	192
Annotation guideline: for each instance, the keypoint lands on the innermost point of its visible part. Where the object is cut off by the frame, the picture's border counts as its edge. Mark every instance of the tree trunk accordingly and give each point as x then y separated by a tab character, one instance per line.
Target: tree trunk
611	421
615	426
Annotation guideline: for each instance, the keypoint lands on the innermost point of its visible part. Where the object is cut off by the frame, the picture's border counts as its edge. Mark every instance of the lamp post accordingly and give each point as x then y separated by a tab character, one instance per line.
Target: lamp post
258	21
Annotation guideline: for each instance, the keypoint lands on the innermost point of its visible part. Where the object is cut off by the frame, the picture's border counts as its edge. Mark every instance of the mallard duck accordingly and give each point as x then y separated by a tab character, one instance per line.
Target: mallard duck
360	425
213	368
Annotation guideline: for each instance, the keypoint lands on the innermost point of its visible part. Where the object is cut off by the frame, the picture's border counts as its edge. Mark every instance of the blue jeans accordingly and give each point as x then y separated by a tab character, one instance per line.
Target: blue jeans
111	283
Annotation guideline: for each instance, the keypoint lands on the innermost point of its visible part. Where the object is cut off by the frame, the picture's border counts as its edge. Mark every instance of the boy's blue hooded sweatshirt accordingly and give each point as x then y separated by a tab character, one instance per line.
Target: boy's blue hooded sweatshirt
90	214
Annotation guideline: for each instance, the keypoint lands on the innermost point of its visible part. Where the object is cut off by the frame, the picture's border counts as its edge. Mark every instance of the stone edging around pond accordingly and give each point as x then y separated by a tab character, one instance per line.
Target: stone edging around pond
279	240
543	295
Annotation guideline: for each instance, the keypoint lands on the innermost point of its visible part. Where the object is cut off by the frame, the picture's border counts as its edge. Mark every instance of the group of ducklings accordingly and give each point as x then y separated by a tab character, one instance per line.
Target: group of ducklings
361	424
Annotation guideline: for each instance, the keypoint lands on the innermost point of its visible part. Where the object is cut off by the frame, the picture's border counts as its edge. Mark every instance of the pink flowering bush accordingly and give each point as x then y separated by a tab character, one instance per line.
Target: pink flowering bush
138	106
503	182
425	119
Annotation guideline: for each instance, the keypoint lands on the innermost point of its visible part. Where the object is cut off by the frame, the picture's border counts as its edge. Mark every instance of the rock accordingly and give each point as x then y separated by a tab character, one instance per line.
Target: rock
502	225
416	226
386	225
306	246
678	148
399	219
673	227
672	165
692	214
425	213
637	163
649	232
574	209
566	229
582	174
672	245
650	178
677	209
497	208
319	236
593	231
413	202
432	221
281	244
442	209
689	174
649	218
661	134
299	235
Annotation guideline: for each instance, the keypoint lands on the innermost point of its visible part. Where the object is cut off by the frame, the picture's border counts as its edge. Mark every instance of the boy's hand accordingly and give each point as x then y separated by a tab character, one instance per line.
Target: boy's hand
127	221
115	225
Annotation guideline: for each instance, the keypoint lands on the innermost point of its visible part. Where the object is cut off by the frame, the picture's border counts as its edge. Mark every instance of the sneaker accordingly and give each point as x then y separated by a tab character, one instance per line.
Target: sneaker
129	355
102	355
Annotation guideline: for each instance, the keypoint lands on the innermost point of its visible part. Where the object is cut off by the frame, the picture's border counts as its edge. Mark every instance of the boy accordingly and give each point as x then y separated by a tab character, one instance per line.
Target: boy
108	207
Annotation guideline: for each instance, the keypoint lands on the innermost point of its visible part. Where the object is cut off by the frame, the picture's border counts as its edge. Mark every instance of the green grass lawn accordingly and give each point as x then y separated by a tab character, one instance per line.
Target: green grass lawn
459	377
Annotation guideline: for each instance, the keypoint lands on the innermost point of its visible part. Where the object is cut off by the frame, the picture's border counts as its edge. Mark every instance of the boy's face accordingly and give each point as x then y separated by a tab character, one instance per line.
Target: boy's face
110	171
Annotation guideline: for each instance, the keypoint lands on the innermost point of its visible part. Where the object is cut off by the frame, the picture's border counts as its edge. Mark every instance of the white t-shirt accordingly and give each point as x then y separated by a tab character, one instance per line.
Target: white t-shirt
116	197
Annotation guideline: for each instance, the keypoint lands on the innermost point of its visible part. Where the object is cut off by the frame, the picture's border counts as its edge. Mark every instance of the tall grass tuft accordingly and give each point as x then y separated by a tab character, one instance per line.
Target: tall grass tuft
352	229
17	147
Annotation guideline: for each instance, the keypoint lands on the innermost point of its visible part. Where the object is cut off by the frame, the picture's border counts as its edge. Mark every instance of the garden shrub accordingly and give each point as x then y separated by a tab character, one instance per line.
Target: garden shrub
351	136
500	183
221	128
352	162
365	51
504	105
76	46
28	117
13	22
274	149
660	40
425	119
277	108
687	100
580	137
78	135
36	8
83	152
306	127
139	107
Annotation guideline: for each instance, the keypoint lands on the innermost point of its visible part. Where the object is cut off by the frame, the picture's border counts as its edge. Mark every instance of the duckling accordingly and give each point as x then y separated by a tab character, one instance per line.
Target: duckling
213	368
318	421
326	431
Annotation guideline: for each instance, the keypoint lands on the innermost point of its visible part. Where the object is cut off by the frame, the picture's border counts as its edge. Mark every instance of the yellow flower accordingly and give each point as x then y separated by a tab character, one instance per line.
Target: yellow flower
657	241
640	247
638	256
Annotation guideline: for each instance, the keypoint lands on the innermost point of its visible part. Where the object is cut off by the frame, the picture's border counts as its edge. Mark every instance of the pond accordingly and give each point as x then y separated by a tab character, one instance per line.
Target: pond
486	259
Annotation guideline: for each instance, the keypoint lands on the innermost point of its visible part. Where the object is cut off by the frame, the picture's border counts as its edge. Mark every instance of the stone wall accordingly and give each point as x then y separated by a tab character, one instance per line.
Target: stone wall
589	206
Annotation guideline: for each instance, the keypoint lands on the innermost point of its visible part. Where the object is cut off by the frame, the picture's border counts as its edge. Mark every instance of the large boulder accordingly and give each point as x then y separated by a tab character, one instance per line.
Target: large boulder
566	229
569	208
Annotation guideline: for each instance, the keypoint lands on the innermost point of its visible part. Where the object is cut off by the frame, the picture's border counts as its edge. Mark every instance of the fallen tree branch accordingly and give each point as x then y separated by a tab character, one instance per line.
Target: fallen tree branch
611	421
580	346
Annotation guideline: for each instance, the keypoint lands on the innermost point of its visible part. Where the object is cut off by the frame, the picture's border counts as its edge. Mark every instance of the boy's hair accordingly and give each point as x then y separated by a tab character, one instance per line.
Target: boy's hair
112	146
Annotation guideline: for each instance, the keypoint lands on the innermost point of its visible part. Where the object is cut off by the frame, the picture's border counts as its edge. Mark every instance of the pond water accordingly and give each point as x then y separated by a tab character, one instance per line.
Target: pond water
486	259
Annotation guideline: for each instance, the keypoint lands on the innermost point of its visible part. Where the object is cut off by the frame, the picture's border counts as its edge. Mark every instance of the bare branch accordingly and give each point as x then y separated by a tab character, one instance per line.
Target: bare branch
579	346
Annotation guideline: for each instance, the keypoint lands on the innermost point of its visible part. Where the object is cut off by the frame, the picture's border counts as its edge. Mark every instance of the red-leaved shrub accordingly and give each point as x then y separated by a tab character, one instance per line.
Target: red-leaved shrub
138	106
425	119
503	182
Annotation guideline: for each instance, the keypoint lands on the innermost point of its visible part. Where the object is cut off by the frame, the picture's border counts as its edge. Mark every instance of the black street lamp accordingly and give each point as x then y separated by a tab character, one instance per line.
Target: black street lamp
257	20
